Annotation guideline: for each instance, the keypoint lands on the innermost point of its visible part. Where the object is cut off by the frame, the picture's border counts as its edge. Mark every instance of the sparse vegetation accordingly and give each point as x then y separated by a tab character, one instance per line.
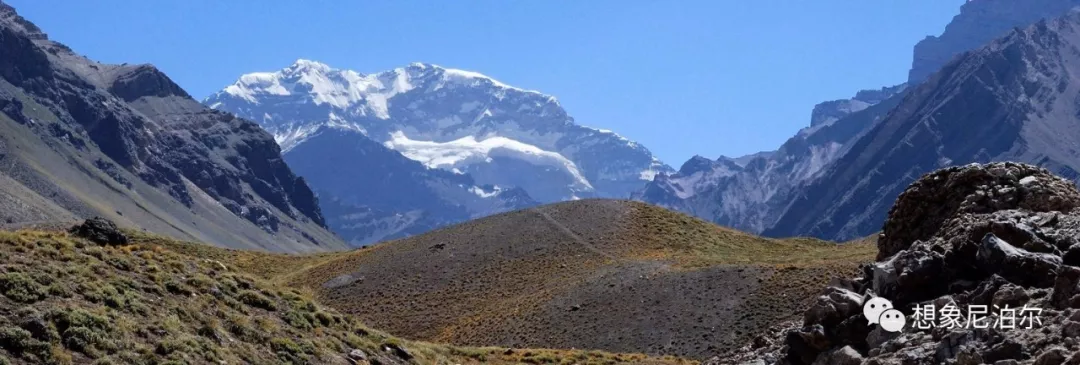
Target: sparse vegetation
149	302
695	243
445	286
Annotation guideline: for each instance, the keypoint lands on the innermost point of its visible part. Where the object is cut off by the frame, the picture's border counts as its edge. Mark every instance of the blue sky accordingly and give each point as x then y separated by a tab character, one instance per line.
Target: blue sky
709	77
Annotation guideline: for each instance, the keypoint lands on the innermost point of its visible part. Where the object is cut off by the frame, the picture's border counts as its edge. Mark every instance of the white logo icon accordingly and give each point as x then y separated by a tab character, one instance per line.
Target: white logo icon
892	320
873	308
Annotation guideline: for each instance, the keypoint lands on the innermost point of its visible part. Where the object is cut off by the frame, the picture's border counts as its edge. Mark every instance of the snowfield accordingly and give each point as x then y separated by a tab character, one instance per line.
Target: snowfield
468	150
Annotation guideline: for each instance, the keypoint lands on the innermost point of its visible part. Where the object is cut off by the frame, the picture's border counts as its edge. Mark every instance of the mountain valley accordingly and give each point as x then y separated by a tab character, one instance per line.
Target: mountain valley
432	215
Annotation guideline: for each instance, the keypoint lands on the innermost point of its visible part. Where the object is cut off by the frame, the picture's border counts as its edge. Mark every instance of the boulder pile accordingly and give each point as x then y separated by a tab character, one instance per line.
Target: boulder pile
995	245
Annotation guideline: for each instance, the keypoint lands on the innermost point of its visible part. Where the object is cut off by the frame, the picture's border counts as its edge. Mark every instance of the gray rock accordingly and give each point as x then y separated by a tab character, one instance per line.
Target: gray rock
101	231
841	356
397	350
1067	288
1073	359
358	355
804	345
1017	265
833	306
1053	356
965	261
1010	295
1006	350
879	336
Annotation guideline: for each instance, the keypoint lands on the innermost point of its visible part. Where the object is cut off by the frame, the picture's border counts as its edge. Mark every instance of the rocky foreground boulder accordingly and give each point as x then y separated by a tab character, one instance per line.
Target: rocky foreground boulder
1000	237
100	231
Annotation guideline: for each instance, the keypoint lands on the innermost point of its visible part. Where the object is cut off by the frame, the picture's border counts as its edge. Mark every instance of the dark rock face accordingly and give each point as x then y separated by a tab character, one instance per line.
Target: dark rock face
752	192
101	231
978	23
132	124
807	167
373	193
145	80
1024	112
966	247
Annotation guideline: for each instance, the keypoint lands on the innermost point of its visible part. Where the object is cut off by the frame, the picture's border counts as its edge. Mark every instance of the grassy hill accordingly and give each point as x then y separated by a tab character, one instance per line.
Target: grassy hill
602	274
65	300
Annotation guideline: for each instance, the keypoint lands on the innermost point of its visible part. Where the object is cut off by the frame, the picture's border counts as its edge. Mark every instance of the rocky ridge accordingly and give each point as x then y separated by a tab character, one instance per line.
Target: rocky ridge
772	194
79	138
978	23
1014	99
750	193
977	235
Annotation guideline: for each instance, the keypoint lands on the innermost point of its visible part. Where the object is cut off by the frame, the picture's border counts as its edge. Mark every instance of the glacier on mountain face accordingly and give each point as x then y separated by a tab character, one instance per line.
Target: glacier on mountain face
468	150
460	121
414	148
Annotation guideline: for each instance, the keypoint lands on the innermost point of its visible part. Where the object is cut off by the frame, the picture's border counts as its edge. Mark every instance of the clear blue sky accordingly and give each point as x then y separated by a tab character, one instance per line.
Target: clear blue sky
683	77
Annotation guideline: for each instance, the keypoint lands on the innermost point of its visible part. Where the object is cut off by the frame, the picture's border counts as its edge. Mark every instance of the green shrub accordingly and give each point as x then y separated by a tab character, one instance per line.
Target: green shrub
19	341
81	339
177	288
15	340
290	351
297	320
59	290
21	288
326	319
239	326
169	346
119	263
256	300
67	318
200	281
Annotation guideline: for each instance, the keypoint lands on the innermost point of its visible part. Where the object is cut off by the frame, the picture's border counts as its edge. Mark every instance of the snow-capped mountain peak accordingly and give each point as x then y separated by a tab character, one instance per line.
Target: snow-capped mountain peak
345	88
500	134
323	84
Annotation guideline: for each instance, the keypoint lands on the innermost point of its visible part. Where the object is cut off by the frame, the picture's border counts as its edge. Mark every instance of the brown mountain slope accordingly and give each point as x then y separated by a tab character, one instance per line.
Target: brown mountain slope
604	274
79	138
66	300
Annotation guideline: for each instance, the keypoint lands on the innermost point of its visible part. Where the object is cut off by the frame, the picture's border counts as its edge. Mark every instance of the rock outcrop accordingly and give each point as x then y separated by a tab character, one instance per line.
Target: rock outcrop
100	231
994	236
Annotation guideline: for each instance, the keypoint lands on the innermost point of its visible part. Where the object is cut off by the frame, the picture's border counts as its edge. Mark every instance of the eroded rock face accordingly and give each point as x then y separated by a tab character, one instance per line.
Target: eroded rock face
995	235
927	204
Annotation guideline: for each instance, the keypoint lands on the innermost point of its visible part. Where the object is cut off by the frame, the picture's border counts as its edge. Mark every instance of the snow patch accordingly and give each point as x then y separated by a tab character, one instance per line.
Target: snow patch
292	135
485	194
468	150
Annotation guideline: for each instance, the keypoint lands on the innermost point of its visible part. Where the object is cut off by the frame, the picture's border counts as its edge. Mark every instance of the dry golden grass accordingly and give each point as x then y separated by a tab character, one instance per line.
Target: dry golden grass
695	243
